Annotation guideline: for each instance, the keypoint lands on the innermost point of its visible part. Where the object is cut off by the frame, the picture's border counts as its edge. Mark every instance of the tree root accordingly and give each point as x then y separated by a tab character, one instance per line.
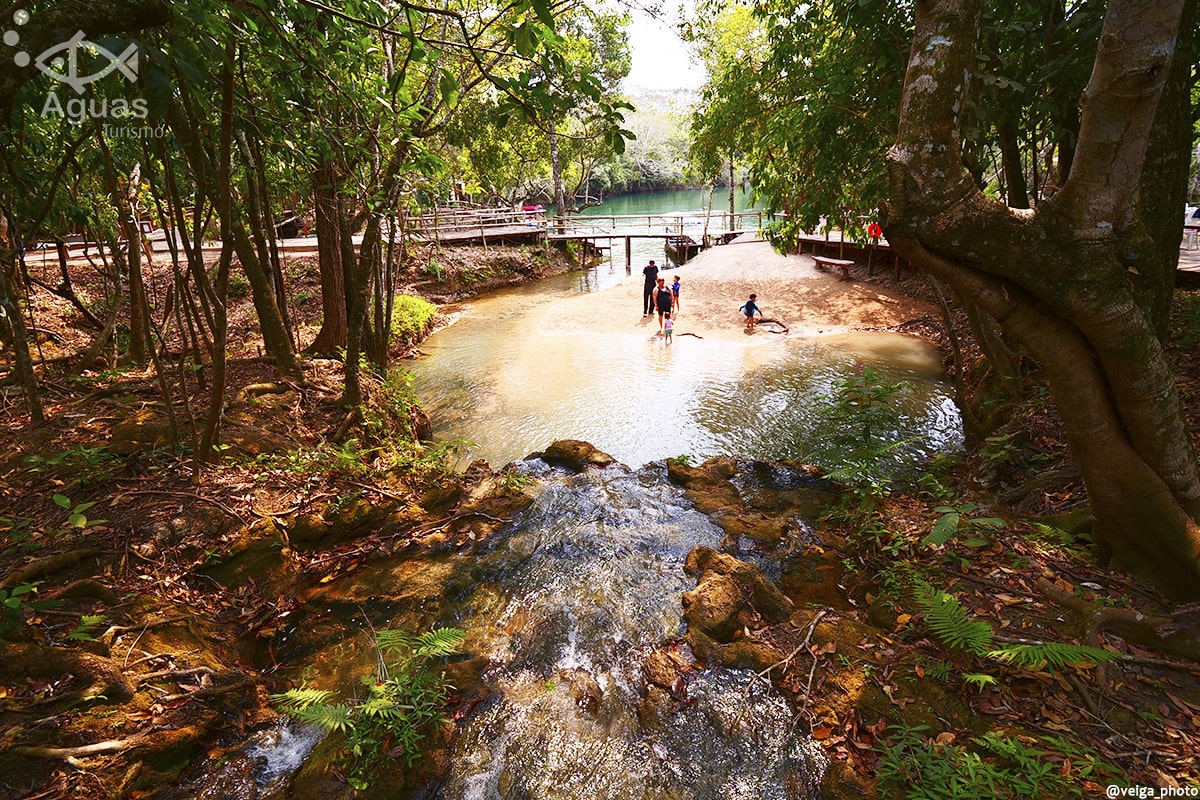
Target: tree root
105	678
1176	634
82	751
46	566
256	389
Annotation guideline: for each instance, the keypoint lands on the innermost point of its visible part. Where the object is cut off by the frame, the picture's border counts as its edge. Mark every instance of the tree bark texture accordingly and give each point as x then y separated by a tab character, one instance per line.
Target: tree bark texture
1079	282
329	212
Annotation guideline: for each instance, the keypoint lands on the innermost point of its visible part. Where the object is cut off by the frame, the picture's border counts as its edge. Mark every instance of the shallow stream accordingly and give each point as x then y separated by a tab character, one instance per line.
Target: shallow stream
501	384
566	607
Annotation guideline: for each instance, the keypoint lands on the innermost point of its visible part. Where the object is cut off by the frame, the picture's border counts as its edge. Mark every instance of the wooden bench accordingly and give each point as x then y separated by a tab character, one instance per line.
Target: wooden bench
840	263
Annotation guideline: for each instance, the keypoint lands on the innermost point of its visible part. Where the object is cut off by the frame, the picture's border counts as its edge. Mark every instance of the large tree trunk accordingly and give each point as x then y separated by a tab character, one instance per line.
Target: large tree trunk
329	213
1080	282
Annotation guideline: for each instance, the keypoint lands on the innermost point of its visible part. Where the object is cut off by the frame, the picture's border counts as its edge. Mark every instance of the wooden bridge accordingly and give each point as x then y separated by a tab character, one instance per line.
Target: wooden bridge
685	231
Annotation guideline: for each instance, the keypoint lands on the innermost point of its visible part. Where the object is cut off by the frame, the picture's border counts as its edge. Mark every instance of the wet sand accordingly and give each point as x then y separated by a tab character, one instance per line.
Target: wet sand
810	302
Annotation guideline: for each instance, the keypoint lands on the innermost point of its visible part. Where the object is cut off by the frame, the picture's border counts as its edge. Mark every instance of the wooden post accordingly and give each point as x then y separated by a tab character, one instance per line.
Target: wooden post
629	252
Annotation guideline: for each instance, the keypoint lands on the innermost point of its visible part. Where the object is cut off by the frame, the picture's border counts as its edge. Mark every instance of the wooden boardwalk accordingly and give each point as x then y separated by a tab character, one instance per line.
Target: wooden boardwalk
507	226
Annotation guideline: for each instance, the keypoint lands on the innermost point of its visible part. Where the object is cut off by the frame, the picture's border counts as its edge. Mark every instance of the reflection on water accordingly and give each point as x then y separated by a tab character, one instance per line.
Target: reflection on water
495	380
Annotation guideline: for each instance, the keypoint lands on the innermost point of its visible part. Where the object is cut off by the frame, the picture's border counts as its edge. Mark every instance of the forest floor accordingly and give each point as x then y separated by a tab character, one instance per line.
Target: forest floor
171	592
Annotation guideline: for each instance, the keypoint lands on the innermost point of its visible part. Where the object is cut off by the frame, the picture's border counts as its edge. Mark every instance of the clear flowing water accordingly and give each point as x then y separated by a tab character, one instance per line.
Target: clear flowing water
494	380
566	606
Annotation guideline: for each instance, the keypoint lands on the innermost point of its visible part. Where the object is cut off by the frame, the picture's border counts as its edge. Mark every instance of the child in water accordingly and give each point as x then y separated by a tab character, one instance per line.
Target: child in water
749	308
668	326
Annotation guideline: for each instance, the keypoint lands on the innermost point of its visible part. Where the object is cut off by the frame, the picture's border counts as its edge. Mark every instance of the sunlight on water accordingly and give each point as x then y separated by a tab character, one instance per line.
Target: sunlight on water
494	379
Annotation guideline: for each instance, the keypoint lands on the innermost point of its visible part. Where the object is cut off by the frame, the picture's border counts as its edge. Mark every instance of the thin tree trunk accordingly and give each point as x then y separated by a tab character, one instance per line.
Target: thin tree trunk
23	362
212	427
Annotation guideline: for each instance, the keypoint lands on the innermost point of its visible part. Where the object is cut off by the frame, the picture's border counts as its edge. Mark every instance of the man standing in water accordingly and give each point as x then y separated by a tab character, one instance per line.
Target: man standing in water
651	273
661	298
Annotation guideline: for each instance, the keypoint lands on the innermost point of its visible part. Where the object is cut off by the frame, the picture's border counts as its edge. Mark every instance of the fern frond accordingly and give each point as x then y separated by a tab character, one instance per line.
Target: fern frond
294	701
389	641
336	717
439	642
1050	655
949	622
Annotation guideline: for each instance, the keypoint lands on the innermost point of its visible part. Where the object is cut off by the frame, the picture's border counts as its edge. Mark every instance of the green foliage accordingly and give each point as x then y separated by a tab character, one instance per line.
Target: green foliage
950	622
682	460
1050	655
86	465
401	700
15	601
239	285
858	430
955	518
83	631
410	318
75	515
916	767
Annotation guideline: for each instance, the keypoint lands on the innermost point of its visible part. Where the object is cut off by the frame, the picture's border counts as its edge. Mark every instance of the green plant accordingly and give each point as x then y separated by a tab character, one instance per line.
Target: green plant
401	699
512	480
948	620
864	401
916	767
411	317
954	517
239	286
16	600
75	515
682	460
83	631
435	269
999	449
87	465
859	424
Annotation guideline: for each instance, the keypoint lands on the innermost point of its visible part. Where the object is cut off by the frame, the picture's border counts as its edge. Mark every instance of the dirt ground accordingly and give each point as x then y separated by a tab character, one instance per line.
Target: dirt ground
715	283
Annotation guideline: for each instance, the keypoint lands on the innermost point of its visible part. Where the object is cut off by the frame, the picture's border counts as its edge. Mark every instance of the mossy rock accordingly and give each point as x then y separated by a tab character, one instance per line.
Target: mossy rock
730	595
142	431
574	455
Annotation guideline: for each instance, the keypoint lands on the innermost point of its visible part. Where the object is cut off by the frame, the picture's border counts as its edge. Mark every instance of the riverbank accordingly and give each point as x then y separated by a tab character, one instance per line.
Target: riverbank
790	289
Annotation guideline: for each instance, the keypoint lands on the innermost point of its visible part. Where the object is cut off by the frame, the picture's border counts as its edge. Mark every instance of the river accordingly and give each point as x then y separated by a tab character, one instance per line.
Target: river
508	378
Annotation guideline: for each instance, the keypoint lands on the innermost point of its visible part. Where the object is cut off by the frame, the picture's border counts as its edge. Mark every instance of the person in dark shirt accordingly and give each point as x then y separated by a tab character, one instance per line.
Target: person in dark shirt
651	273
749	308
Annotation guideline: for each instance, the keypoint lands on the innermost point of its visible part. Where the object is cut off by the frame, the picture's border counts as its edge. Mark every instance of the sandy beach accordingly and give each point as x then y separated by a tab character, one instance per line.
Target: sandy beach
809	301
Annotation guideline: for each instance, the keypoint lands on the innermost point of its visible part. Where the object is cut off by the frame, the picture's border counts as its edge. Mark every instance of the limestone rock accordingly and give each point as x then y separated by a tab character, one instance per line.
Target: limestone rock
574	455
730	595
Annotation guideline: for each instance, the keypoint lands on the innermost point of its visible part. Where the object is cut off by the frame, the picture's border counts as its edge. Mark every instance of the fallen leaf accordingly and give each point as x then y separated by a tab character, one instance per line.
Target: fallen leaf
821	733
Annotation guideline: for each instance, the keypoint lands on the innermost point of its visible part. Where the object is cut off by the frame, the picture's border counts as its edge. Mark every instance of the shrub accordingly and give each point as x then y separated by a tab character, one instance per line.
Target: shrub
410	318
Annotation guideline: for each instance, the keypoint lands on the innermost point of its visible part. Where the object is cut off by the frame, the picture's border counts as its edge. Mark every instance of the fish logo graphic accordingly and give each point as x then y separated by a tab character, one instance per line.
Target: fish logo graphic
62	62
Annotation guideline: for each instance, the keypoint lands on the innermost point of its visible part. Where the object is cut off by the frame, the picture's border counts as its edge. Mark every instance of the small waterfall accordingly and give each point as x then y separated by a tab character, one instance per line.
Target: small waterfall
567	605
